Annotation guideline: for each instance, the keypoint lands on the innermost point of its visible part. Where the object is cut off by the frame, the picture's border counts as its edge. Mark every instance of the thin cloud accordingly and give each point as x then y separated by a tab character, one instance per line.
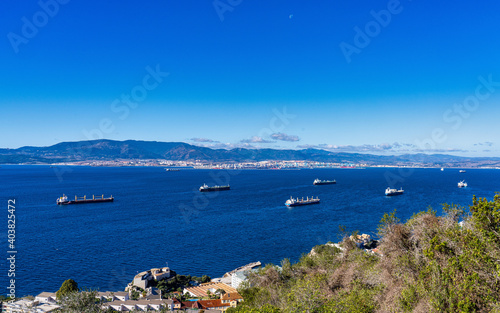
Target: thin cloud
486	143
367	148
225	146
449	150
256	139
284	137
203	140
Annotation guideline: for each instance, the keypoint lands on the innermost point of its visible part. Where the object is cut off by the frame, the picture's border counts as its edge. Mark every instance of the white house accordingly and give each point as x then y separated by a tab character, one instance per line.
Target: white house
28	306
139	305
120	296
237	278
113	296
104	296
46	297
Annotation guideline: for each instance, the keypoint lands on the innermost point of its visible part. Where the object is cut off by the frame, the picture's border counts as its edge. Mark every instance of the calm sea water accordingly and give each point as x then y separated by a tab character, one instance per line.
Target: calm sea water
160	217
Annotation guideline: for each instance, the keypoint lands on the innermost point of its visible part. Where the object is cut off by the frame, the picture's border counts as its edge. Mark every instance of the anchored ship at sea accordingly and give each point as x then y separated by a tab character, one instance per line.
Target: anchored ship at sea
462	184
64	200
297	202
213	188
393	192
318	181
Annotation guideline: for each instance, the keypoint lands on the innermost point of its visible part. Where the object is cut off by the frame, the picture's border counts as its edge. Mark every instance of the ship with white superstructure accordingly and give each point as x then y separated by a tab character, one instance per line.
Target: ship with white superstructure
318	181
298	202
206	188
393	192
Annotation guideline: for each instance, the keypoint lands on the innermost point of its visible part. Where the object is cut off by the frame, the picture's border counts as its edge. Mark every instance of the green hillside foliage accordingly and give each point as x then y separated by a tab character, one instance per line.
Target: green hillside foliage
429	263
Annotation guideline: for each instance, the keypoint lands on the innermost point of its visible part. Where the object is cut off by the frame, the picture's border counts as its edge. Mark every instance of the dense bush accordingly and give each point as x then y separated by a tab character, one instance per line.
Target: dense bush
429	263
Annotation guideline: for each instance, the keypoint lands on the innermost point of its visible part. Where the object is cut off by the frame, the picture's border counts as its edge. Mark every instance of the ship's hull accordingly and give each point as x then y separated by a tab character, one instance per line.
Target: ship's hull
301	204
396	193
85	201
215	188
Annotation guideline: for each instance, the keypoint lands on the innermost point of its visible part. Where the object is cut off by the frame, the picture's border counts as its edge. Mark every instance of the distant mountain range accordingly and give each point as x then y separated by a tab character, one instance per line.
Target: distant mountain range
108	150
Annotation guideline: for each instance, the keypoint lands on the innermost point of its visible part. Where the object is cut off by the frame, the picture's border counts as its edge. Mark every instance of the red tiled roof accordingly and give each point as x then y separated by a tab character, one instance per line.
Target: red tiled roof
191	305
208	304
231	296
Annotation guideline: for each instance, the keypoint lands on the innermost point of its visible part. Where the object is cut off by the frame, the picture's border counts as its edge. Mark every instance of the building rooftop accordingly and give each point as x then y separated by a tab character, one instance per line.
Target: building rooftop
46	294
231	296
217	303
139	302
201	290
141	274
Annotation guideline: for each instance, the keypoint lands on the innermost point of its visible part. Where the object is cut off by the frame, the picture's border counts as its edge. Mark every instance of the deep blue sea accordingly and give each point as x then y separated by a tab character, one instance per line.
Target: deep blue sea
159	217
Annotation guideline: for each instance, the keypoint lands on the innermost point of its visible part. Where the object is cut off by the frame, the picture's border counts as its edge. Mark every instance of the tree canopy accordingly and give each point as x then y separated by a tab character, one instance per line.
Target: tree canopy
67	287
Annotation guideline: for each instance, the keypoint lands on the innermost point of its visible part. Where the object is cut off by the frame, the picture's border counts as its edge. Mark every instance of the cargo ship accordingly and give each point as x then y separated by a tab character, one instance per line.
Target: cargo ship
64	200
323	182
298	202
205	188
393	192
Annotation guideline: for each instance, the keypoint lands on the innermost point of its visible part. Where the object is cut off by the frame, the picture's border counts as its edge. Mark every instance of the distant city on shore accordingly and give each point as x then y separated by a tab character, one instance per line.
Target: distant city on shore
179	154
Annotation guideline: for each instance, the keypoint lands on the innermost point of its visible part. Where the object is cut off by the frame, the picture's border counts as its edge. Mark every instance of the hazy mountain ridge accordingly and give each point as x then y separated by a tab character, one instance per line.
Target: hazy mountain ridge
180	151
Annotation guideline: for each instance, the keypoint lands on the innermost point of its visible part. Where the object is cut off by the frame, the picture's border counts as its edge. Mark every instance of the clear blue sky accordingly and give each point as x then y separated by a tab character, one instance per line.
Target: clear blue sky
348	76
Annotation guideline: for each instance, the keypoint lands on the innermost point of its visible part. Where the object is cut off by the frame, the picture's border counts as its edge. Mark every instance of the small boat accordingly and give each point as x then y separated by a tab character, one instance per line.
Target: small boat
393	192
298	202
64	200
442	169
462	184
461	171
205	188
323	182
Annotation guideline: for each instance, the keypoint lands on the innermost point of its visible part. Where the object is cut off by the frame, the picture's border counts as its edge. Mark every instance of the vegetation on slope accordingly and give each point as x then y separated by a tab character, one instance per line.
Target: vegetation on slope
429	263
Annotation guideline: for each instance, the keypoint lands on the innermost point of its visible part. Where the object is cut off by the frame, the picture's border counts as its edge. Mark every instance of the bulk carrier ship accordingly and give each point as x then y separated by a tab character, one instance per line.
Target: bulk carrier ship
324	182
206	188
64	200
298	202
